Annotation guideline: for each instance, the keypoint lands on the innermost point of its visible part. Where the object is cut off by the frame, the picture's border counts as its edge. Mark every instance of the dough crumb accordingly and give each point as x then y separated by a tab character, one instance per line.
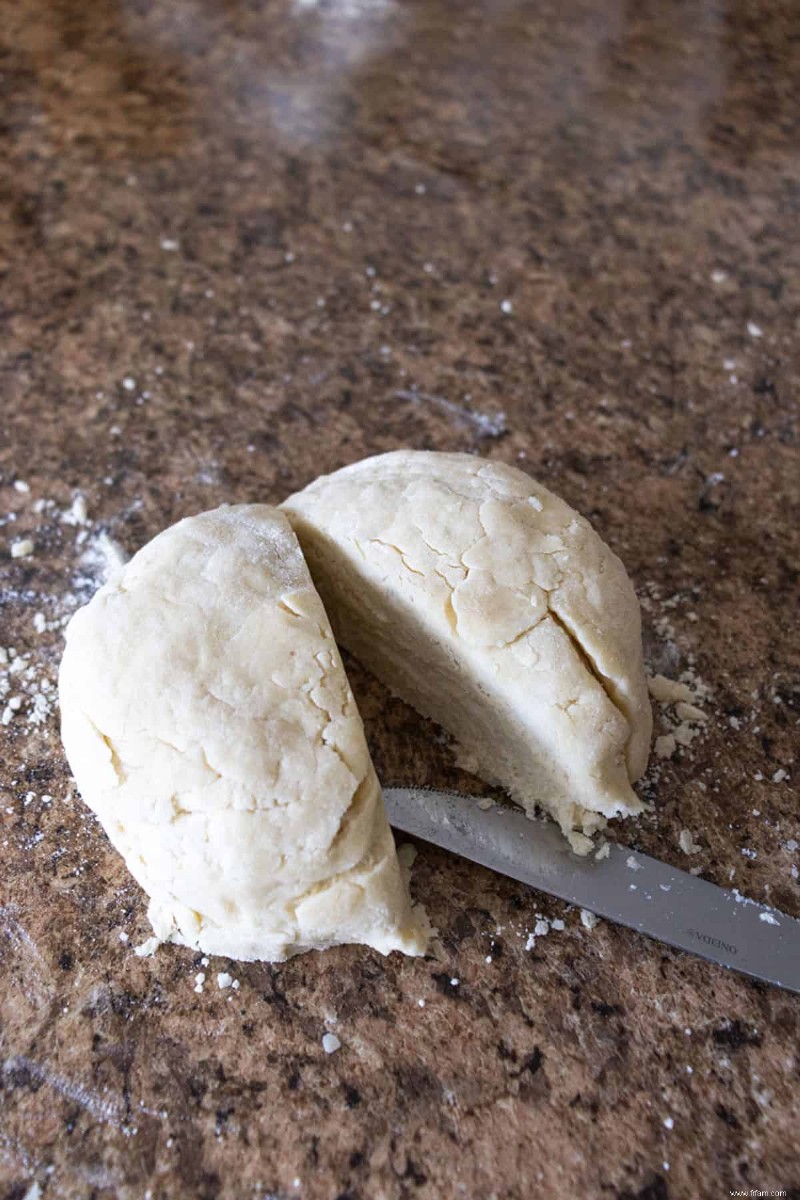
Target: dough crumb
665	745
589	919
224	980
22	548
579	842
687	843
690	712
603	852
147	948
330	1043
669	691
407	855
684	734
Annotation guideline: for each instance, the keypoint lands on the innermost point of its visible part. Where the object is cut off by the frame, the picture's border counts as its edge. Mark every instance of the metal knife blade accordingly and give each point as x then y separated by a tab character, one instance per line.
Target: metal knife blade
627	887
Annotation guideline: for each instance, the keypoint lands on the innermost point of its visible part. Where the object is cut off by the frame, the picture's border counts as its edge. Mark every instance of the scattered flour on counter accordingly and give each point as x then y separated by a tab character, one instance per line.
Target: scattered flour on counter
689	718
486	425
78	513
27	688
681	698
101	558
543	926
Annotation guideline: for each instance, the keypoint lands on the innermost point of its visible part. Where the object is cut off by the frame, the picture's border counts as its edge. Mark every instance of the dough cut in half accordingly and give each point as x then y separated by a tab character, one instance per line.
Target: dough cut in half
209	723
492	607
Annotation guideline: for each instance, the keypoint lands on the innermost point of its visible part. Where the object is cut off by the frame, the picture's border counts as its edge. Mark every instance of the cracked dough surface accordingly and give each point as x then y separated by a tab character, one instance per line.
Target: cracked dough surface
209	723
492	607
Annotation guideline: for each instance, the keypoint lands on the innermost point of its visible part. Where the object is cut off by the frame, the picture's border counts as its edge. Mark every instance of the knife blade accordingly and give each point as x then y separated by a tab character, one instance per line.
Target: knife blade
627	887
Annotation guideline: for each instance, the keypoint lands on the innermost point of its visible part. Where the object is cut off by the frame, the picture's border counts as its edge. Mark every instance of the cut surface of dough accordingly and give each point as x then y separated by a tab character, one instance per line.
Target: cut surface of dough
492	607
209	724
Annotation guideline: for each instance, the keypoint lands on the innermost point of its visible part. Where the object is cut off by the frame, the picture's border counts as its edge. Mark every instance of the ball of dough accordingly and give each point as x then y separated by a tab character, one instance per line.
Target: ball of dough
492	607
209	723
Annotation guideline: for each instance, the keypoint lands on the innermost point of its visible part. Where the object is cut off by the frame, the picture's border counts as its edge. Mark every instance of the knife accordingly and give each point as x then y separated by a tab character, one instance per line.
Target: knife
626	886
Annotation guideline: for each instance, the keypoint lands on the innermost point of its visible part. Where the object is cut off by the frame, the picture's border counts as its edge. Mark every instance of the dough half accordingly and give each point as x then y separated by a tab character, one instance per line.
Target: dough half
492	607
209	723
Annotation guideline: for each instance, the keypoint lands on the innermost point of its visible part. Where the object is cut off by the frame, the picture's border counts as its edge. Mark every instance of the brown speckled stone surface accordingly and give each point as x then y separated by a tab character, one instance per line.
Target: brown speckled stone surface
290	228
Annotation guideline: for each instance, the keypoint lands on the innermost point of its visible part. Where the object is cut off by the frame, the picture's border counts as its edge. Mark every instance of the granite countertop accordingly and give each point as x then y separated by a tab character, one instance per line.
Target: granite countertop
245	243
